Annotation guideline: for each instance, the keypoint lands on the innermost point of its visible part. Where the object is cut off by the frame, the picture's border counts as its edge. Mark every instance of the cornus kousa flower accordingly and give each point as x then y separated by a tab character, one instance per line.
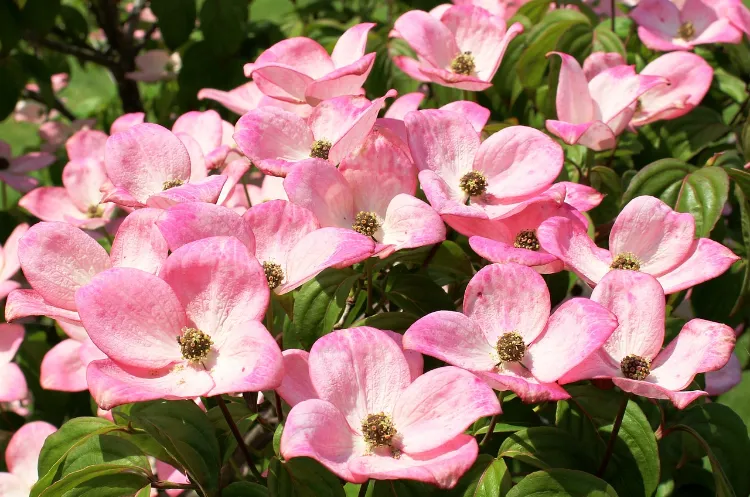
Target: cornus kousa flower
594	113
207	129
462	48
509	168
632	357
64	366
148	165
299	70
9	264
155	65
500	8
372	193
13	387
275	139
194	330
507	337
21	456
683	24
647	236
14	170
247	97
370	420
126	121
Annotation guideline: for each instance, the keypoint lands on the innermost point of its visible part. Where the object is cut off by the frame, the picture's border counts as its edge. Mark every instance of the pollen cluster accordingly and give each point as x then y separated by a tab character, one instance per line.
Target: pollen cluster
320	149
94	211
626	260
463	64
378	430
686	31
510	347
172	183
194	344
473	183
274	274
527	239
635	367
366	223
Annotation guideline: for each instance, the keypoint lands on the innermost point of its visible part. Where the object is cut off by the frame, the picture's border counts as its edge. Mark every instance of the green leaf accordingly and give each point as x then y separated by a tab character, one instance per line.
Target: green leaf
223	23
451	260
742	192
11	84
607	41
736	399
10	27
488	477
242	417
277	438
399	488
606	181
688	135
185	432
245	489
561	483
416	293
320	302
703	194
39	15
546	447
176	20
100	480
74	22
742	179
302	477
534	10
394	321
662	179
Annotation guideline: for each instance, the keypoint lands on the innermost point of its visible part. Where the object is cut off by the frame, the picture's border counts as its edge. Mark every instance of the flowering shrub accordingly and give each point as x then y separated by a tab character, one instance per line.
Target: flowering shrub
353	248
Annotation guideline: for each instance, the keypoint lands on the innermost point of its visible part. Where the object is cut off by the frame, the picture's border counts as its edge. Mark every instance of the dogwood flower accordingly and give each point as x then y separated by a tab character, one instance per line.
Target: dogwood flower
501	8
21	456
127	121
370	420
9	264
632	357
207	129
462	49
13	170
247	97
275	139
299	70
507	337
13	387
594	113
647	236
193	330
372	193
64	365
155	65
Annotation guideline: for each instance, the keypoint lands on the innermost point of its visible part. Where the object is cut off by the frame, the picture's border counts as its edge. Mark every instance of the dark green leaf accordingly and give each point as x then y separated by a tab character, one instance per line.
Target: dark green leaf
245	489
400	488
223	23
488	477
176	20
416	293
241	415
10	27
11	84
737	397
302	477
546	447
73	22
394	321
686	136
39	15
661	179
562	483
100	480
703	194
534	10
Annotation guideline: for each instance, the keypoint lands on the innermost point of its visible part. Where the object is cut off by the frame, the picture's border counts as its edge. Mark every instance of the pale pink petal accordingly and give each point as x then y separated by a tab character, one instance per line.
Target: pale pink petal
322	189
13	486
573	101
410	223
62	368
24	448
519	380
18	182
139	243
411	68
723	380
430	38
198	167
127	121
51	203
83	179
594	134
6	287
415	359
9	263
11	336
658	23
132	316
86	144
472	111
351	45
203	127
13	387
239	100
185	223
706	260
234	171
74	330
207	190
404	104
296	385
581	197
680	399
599	61
23	303
495	251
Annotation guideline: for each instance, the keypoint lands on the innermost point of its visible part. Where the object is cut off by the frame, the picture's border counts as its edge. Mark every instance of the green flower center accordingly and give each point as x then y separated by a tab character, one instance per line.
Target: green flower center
635	367
274	274
686	31
463	64
172	183
320	149
473	183
366	223
626	260
510	347
527	239
194	344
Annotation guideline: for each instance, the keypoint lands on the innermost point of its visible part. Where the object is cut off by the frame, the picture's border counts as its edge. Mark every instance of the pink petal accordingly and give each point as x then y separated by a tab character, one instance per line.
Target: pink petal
133	317
581	197
31	162
138	242
654	391
207	190
142	158
519	380
502	298
239	100
430	38
616	88
13	486
185	223
24	448
724	379
23	303
317	429
83	180
9	263
13	387
11	337
127	121
411	68
415	359
322	189
495	251
51	203
659	21
573	101
57	259
296	385
234	171
112	385
198	167
706	260
351	46
410	223
86	144
360	370
594	134
203	127
18	182
599	61
404	104
6	287
62	368
473	112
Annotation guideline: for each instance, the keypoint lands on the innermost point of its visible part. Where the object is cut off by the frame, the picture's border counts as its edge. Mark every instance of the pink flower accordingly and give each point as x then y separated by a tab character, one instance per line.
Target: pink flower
64	366
9	263
372	193
13	170
194	330
275	139
21	456
299	70
664	25
462	49
155	65
647	236
594	113
632	357
500	8
149	165
126	121
55	133
207	129
166	472
247	97
736	13
13	387
511	167
370	420
507	337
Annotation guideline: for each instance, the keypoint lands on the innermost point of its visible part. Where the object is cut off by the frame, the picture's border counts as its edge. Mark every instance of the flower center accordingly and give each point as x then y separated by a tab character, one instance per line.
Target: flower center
626	260
320	149
94	211
172	183
4	164
510	347
366	223
195	344
473	183
463	64
274	274
635	367
686	31
527	239
378	430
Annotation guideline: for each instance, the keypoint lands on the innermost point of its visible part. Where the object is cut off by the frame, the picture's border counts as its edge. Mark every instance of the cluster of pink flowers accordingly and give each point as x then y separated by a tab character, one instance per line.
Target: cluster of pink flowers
175	309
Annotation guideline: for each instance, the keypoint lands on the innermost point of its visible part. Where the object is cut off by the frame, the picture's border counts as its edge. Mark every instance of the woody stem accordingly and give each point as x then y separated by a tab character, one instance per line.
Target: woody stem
613	436
238	436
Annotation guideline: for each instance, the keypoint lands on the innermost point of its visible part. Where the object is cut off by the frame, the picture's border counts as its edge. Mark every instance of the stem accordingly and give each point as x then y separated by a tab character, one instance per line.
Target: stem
170	485
244	189
251	399
612	5
58	105
490	429
431	255
363	489
238	436
368	270
613	436
3	196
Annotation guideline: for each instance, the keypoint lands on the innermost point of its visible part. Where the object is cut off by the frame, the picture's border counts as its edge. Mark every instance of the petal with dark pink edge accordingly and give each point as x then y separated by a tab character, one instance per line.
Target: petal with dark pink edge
360	370
426	416
126	121
519	380
207	190
234	171
321	188
112	385
11	336
57	259
719	31
430	38
573	101
600	61
24	448
321	249
346	80
449	199
701	346
659	237
119	196
495	251
132	316
557	350
203	127
680	399
410	223
658	23
218	283
442	466
247	359
581	197
62	368
142	158
616	88
317	429
138	242
638	302
567	240
451	79
475	113
185	223
296	385
411	68
280	81
404	104
239	100
724	379
9	263
502	298
83	179
86	144
23	303
706	259
51	203
453	338
594	134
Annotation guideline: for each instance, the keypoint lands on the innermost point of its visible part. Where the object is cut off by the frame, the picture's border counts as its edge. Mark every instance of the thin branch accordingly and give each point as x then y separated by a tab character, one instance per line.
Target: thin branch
170	485
238	436
58	105
75	51
490	430
613	436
